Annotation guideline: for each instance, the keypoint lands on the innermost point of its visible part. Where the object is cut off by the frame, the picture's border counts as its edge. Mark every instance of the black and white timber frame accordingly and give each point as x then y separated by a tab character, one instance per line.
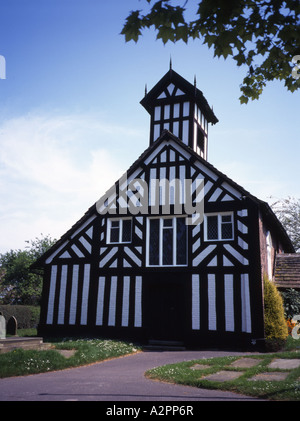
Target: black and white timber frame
214	296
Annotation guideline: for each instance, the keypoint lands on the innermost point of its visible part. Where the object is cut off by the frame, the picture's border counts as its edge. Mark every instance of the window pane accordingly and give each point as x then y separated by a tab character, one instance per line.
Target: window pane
157	113
226	231
176	128
168	222
114	234
176	110
154	242
168	246
185	131
181	242
200	139
156	131
212	227
226	218
126	235
186	109
167	112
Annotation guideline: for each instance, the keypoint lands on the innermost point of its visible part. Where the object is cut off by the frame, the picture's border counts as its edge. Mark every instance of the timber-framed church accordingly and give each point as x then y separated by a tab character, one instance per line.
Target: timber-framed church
142	265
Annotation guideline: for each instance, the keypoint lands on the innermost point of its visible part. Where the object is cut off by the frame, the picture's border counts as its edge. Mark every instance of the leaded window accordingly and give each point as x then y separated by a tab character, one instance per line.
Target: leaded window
218	226
119	230
167	242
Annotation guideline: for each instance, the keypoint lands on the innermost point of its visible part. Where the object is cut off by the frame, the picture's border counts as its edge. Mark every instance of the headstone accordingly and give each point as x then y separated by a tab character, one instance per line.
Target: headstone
2	327
12	325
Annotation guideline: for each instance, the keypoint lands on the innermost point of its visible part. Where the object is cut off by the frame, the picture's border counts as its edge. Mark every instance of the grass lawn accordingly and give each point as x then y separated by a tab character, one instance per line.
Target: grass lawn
21	362
288	389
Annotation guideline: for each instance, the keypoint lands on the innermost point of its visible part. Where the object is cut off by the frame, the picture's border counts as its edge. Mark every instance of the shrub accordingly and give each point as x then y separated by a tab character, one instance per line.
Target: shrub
276	331
27	316
291	302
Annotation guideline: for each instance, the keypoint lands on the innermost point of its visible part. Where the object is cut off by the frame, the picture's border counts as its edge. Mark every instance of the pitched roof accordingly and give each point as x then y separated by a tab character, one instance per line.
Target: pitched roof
172	77
168	136
287	270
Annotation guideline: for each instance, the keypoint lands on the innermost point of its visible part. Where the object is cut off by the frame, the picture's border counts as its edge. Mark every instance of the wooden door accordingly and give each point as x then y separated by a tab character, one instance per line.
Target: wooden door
165	308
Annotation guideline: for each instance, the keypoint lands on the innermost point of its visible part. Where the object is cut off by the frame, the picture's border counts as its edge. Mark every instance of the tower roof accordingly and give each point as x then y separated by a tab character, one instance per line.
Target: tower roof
188	89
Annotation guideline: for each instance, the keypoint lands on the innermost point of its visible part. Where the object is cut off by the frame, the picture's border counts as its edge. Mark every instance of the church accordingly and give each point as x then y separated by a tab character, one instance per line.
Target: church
175	252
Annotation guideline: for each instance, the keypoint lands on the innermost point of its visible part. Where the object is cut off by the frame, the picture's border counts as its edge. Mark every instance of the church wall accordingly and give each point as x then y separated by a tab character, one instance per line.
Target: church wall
130	269
95	286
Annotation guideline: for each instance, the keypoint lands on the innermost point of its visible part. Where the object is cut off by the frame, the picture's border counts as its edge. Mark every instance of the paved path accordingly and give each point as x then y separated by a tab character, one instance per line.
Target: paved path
120	379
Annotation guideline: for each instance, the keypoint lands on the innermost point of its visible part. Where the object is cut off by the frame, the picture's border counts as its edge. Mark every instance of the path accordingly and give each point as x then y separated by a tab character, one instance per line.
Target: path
120	379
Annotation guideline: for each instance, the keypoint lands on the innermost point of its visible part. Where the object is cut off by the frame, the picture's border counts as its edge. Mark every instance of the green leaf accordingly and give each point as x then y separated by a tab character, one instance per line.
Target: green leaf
240	58
181	33
131	29
243	99
226	51
166	34
246	28
210	39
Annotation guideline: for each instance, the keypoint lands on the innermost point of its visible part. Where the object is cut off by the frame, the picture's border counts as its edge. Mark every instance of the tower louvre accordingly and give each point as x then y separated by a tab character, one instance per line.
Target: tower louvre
176	105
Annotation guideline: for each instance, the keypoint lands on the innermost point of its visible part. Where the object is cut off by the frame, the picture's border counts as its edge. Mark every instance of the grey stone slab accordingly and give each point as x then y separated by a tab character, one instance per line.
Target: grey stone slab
9	344
245	362
200	367
223	376
67	353
275	376
285	364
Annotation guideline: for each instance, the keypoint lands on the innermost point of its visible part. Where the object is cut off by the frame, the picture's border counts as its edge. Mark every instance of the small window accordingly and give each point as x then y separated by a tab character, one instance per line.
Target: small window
114	231
119	231
226	227
126	231
218	227
212	227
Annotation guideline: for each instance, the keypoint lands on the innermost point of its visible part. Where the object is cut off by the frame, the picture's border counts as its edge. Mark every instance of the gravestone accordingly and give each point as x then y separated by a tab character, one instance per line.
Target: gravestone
12	325
2	327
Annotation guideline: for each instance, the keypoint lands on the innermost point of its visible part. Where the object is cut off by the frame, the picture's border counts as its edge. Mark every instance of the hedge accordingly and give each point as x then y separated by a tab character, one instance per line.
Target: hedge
27	316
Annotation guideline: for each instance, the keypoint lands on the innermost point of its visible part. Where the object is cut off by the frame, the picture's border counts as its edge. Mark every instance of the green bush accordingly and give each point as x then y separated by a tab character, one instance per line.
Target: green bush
291	302
276	330
27	316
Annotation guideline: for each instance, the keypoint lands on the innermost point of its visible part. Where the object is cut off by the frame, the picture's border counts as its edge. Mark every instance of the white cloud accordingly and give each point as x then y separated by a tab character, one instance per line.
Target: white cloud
52	169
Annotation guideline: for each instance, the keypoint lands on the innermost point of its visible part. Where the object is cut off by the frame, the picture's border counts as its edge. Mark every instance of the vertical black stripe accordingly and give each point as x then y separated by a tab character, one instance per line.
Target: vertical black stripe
131	302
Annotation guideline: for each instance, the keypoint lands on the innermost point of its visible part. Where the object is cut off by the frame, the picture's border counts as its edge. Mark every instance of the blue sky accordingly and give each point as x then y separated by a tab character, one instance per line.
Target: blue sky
71	122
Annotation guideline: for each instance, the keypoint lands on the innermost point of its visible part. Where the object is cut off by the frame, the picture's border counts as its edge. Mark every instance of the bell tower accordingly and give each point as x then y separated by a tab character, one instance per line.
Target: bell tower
176	105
